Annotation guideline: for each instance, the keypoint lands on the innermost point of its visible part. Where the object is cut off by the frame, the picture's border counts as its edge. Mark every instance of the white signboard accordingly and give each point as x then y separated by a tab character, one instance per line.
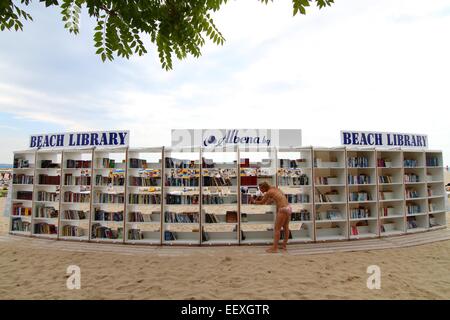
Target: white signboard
225	138
383	139
77	140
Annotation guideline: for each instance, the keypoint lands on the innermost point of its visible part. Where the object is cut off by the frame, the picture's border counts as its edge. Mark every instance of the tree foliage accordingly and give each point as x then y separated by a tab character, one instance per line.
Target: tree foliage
177	27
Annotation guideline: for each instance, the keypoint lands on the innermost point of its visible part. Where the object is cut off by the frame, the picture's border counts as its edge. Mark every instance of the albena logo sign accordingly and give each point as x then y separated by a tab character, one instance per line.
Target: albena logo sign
232	137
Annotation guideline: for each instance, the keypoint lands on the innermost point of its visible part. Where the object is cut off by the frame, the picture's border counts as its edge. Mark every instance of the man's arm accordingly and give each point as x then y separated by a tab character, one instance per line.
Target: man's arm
265	200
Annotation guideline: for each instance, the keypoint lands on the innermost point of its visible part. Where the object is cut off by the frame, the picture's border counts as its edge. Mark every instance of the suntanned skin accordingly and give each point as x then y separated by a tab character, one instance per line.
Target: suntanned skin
274	195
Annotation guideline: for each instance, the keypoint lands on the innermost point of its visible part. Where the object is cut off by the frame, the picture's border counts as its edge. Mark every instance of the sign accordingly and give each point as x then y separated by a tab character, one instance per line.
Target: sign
383	139
226	138
77	140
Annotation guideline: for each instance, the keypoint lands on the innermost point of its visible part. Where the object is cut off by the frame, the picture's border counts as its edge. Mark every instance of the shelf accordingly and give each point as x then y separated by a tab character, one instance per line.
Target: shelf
416	214
331	238
46	219
364	235
83	238
419	229
364	219
73	220
26	217
392	217
328	221
392	233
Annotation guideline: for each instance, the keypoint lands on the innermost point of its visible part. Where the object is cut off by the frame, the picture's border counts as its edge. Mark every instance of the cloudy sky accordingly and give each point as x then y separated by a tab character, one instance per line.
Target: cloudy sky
374	65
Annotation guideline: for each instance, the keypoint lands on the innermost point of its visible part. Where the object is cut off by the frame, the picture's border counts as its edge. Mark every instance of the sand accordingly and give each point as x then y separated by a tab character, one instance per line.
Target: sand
420	272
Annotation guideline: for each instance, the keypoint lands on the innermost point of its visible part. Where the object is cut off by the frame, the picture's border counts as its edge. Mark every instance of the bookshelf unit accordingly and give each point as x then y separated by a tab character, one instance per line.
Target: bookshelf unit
182	188
295	179
200	196
256	165
220	207
144	195
47	194
108	195
415	191
362	193
436	196
391	192
330	194
22	192
76	192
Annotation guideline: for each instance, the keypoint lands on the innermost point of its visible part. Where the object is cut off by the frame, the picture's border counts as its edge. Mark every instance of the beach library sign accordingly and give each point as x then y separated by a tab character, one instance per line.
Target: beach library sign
229	138
383	139
77	140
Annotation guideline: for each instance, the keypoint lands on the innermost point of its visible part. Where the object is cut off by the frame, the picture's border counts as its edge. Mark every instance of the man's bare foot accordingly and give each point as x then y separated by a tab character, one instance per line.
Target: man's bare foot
284	249
271	250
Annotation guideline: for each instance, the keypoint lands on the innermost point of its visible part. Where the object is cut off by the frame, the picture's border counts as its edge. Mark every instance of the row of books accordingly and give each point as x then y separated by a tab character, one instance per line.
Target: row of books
19	210
137	216
330	196
410	163
300	180
413	208
358	162
298	198
117	179
211	218
412	223
302	215
25	195
384	163
46	212
22	179
70	180
385	179
411	177
78	164
72	231
184	217
182	182
47	196
144	198
17	224
113	198
75	214
359	179
354	230
138	163
102	215
327	180
70	196
359	196
292	164
217	181
145	181
359	213
178	163
106	163
432	162
20	163
219	199
331	214
49	180
387	211
182	199
102	232
45	228
411	193
49	164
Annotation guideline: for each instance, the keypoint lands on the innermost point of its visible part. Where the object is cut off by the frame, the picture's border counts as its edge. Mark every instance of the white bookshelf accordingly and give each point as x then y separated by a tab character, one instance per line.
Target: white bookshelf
257	165
391	192
330	194
436	195
220	196
76	194
362	193
22	192
144	195
108	195
182	187
415	191
295	179
47	194
132	200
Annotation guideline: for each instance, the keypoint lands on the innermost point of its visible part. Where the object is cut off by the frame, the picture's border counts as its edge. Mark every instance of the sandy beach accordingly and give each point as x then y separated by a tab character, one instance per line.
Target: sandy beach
420	272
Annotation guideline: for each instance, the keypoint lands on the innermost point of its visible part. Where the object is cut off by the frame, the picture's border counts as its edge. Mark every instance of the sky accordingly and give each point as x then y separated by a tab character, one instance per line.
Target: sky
369	65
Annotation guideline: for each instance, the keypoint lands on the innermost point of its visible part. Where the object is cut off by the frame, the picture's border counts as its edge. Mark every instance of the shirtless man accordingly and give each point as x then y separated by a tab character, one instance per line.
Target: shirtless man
284	212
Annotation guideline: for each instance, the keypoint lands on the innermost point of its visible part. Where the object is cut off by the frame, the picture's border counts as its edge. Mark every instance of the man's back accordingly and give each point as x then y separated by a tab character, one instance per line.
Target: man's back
278	197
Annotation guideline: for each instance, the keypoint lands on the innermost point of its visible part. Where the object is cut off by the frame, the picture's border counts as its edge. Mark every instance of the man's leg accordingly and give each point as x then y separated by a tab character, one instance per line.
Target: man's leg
286	231
279	222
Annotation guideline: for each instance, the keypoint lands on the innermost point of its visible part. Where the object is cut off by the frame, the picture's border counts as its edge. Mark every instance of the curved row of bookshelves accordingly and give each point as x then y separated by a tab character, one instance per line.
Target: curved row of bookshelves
198	196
